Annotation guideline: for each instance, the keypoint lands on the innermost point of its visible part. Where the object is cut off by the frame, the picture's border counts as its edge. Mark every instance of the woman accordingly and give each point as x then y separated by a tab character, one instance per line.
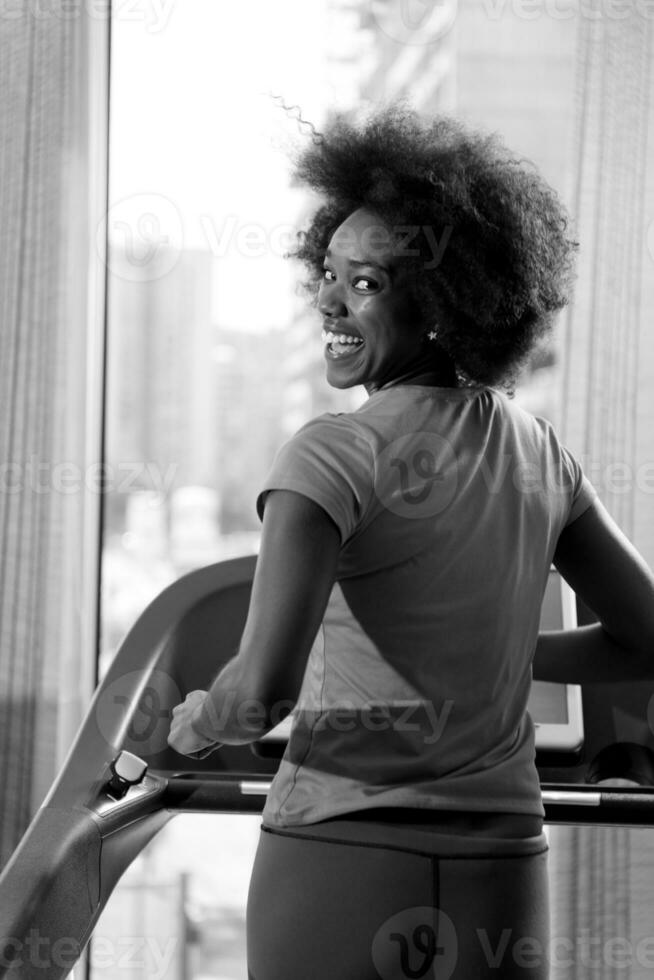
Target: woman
404	556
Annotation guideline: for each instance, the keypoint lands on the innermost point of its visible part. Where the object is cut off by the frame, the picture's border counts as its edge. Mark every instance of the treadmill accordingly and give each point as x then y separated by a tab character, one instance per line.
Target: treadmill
121	782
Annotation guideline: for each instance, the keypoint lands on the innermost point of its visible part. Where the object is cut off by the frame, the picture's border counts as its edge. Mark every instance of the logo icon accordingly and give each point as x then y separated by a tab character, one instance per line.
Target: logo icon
416	22
415	943
416	475
143	235
138	716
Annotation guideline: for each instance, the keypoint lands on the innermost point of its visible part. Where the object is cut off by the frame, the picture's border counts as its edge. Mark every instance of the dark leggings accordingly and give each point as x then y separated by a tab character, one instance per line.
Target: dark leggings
358	900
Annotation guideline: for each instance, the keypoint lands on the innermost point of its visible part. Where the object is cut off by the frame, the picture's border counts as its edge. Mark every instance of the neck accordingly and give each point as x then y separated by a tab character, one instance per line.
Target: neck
434	376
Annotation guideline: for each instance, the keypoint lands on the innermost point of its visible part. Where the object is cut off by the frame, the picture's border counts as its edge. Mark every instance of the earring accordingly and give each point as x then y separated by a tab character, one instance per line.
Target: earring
432	335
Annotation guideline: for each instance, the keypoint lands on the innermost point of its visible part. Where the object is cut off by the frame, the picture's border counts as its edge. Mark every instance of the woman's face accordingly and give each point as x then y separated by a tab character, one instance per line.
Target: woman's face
370	328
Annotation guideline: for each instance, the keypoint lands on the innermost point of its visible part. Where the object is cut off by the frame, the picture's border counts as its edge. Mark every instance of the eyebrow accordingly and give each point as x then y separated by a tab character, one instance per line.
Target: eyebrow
375	265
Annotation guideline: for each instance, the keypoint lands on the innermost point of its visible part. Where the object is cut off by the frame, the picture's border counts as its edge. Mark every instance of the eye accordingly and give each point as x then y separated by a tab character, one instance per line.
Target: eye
365	283
328	275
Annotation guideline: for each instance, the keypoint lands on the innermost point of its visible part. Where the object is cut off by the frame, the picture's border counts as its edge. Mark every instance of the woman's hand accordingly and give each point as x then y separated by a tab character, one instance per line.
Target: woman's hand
182	737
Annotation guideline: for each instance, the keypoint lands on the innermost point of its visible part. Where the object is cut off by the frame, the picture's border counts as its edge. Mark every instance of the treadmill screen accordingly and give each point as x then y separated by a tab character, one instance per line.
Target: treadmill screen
548	703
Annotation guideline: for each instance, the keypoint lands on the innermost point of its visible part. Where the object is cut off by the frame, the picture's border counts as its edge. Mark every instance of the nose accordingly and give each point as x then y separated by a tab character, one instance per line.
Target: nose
330	302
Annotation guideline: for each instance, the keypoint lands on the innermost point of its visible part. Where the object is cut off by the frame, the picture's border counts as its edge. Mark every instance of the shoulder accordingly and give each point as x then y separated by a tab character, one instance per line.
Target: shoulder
562	469
330	461
535	439
530	426
329	422
332	434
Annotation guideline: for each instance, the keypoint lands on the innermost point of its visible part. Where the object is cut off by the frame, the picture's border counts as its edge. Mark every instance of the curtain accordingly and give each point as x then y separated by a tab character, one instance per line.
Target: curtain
608	360
53	122
599	876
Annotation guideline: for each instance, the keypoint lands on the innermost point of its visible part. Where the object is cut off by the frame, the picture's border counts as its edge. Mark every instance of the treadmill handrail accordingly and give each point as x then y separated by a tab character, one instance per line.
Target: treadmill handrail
93	749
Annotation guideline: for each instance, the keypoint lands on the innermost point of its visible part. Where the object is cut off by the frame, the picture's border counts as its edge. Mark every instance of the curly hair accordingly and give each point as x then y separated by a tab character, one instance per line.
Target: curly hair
507	265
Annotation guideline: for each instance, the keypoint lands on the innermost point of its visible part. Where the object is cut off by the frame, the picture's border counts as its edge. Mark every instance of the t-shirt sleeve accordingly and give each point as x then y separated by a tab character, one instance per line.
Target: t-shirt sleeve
583	491
329	461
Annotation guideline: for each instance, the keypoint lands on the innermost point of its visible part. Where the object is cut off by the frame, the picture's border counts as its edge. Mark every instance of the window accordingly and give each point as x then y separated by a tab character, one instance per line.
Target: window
214	359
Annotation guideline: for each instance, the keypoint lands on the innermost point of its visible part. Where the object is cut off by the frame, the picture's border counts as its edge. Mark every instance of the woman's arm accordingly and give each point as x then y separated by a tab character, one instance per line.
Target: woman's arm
294	575
613	579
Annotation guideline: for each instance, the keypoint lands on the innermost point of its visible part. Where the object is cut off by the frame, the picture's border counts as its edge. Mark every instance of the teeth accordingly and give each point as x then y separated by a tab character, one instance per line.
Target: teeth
340	338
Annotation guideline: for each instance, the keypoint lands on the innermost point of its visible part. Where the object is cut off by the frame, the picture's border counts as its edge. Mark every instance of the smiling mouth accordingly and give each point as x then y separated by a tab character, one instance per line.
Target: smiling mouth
341	344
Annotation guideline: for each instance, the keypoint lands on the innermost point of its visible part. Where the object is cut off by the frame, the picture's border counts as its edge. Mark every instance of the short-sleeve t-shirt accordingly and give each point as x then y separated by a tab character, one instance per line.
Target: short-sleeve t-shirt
449	503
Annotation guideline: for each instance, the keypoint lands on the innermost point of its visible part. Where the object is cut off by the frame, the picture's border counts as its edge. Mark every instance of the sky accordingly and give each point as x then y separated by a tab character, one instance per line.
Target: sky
198	153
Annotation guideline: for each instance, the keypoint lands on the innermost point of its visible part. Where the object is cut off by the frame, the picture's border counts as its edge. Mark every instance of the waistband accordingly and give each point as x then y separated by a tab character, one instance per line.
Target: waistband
445	834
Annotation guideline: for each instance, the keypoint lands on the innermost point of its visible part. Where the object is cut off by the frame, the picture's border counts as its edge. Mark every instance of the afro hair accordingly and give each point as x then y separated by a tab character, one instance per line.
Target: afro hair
505	263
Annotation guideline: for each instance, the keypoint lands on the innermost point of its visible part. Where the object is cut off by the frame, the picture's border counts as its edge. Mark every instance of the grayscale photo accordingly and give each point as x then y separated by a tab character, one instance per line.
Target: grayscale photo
327	489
